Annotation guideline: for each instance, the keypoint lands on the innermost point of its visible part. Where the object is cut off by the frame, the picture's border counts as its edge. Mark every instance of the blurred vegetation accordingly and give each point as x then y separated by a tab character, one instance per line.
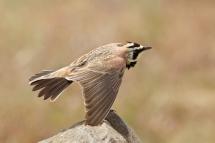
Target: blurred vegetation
167	98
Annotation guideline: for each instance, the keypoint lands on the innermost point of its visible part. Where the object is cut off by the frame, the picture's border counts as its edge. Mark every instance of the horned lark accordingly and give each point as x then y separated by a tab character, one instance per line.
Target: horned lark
98	72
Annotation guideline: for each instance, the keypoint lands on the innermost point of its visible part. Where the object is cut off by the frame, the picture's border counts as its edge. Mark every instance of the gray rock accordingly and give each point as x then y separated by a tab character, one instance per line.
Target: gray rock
113	130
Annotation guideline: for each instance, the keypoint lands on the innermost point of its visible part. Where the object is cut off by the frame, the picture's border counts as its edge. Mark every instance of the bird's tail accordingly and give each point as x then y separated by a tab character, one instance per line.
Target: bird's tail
49	84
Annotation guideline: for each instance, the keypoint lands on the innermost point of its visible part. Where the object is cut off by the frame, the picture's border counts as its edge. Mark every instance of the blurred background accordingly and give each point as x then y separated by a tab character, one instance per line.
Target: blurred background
169	97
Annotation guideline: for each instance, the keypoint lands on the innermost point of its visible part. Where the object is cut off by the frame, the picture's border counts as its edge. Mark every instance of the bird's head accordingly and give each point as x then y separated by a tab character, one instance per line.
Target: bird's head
134	49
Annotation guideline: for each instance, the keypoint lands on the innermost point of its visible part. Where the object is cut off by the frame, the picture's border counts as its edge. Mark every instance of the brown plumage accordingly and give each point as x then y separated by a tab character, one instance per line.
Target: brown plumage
99	73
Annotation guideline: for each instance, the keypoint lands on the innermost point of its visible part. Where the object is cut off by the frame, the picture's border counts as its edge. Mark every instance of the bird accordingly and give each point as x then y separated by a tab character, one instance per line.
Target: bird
99	73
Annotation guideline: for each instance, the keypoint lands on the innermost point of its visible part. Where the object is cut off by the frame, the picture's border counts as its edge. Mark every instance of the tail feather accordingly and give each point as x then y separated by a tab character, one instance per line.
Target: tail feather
42	83
50	87
42	73
56	92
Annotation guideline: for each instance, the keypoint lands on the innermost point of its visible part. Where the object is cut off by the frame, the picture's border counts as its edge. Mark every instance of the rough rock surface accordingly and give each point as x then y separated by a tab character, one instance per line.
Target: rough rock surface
113	130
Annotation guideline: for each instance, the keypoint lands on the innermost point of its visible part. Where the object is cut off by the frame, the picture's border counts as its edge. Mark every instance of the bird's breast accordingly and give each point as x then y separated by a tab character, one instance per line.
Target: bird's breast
116	63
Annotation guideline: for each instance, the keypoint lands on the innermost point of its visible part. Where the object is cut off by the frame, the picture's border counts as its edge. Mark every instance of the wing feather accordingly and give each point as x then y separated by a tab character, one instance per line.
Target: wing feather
100	114
99	90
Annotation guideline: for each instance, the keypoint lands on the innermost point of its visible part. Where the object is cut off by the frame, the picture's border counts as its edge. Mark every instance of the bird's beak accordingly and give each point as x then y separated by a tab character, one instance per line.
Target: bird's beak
146	48
143	49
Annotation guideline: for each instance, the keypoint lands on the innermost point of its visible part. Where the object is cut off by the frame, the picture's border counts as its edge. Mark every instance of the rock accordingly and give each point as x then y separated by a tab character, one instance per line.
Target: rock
113	130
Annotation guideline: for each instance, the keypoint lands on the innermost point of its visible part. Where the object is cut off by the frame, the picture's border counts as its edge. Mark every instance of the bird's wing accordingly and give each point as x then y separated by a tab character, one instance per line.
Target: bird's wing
99	90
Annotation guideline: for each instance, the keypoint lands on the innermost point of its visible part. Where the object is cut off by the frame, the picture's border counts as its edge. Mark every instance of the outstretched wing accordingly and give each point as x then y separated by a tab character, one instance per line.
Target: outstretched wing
99	91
